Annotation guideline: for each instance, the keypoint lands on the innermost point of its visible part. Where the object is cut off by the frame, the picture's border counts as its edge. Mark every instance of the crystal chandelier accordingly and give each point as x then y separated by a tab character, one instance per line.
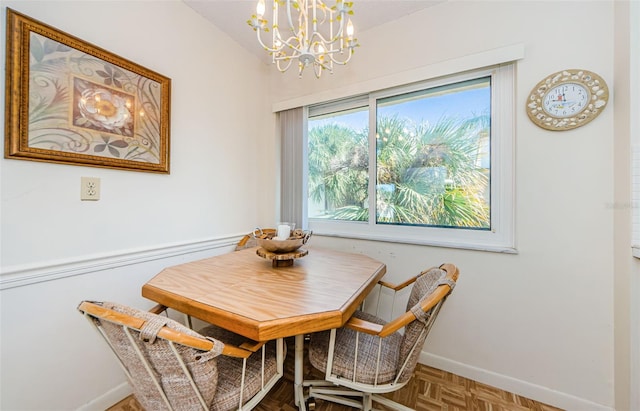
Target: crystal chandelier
319	37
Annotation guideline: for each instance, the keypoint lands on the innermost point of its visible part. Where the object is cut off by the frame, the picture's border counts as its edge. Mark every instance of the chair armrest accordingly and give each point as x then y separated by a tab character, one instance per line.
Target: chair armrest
400	286
252	346
236	352
243	241
360	325
428	303
158	309
94	310
447	267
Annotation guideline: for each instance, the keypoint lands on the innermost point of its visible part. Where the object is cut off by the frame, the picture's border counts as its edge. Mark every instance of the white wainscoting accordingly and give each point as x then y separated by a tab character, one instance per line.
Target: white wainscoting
21	276
38	304
109	398
18	276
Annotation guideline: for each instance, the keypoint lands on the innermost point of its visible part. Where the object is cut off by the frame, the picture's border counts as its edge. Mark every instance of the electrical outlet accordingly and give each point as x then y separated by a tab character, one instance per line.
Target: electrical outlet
89	188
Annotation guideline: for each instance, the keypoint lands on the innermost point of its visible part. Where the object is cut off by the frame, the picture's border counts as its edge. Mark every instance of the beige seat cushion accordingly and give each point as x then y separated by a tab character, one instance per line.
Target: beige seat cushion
367	353
230	371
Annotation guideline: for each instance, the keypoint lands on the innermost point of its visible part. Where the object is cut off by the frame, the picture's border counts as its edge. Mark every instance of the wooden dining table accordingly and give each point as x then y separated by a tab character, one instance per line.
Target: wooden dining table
249	295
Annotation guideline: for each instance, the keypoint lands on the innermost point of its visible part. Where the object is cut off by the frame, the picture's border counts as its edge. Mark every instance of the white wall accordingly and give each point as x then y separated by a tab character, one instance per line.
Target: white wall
57	250
539	323
622	210
628	286
215	86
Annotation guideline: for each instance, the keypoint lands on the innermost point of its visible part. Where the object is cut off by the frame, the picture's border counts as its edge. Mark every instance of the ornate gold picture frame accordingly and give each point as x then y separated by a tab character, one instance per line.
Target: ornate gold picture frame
71	102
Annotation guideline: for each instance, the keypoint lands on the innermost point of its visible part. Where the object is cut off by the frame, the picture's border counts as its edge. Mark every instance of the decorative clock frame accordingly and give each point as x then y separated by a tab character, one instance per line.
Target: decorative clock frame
560	113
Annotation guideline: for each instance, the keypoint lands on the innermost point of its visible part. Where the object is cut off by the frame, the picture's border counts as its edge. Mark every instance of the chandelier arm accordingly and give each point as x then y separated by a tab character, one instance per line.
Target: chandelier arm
289	15
340	32
326	66
324	12
288	43
345	61
275	31
324	41
269	49
315	19
303	17
296	52
331	24
284	57
305	13
286	67
333	38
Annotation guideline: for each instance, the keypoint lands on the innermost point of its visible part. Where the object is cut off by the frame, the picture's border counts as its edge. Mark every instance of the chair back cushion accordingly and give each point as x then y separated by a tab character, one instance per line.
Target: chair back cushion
416	332
163	363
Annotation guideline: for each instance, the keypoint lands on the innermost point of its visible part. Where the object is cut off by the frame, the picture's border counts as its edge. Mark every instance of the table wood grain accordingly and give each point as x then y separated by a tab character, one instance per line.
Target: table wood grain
242	292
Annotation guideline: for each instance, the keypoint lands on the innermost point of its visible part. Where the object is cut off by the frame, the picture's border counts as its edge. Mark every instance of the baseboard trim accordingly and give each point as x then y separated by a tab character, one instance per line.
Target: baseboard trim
535	392
108	399
19	276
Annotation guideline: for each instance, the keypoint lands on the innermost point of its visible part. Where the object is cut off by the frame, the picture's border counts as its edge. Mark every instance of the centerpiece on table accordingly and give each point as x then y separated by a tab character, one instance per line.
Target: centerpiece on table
283	246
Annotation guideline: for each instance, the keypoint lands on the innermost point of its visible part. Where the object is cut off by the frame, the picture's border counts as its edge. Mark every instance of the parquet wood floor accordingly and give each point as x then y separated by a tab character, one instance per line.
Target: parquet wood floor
430	389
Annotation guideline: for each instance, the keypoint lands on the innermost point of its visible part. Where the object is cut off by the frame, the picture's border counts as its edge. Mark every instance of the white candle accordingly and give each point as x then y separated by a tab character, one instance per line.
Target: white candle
283	232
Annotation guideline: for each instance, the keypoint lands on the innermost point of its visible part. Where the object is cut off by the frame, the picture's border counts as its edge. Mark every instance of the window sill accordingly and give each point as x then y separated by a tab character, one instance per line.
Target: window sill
430	243
635	249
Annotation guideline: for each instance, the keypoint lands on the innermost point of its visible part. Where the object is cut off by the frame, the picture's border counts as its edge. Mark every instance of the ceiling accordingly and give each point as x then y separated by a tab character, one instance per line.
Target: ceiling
231	16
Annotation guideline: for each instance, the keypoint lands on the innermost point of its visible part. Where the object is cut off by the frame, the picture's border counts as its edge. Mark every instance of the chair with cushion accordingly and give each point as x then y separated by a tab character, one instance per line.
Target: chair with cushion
171	367
370	356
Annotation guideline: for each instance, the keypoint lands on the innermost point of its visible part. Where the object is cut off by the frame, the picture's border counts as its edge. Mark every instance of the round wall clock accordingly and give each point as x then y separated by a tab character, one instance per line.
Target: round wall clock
567	99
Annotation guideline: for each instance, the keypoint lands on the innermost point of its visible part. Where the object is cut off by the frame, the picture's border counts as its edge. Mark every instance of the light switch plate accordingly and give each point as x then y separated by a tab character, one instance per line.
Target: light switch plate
89	188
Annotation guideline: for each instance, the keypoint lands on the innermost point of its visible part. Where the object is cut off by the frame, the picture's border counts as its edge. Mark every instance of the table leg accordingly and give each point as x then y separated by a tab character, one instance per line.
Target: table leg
298	376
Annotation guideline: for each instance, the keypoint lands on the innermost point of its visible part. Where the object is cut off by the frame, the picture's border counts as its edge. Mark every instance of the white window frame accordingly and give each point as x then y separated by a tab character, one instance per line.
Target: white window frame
634	106
501	236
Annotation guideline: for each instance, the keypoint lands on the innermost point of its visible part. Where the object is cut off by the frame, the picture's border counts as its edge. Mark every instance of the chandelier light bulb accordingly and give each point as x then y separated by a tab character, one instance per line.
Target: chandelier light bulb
260	8
350	29
308	31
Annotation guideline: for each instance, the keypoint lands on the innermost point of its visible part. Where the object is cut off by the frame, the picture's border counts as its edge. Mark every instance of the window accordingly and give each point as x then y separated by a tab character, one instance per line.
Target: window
428	163
338	164
634	107
432	156
635	199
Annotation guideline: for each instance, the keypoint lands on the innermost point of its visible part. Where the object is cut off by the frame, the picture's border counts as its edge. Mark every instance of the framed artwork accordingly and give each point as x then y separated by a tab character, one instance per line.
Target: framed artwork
71	102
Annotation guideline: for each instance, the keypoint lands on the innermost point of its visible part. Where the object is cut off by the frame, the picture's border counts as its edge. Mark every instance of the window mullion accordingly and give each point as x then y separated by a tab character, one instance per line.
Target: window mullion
373	162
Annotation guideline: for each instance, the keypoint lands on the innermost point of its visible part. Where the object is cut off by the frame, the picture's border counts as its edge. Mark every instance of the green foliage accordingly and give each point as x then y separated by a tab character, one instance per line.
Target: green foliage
427	174
338	167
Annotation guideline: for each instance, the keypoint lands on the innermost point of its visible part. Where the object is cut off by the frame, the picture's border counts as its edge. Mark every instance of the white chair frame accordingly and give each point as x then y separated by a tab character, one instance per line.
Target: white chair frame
340	390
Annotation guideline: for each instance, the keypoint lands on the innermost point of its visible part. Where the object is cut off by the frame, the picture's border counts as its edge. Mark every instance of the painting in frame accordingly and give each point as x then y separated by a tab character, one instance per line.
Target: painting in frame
71	102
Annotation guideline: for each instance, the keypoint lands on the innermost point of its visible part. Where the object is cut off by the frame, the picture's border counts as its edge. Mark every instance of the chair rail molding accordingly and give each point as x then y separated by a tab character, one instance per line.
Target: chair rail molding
23	275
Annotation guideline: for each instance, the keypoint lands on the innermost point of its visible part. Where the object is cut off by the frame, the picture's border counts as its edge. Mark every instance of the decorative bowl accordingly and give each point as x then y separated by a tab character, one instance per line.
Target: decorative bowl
283	246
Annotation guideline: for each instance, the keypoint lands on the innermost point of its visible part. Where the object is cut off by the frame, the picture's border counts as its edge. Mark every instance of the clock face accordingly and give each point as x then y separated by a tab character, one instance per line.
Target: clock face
565	100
